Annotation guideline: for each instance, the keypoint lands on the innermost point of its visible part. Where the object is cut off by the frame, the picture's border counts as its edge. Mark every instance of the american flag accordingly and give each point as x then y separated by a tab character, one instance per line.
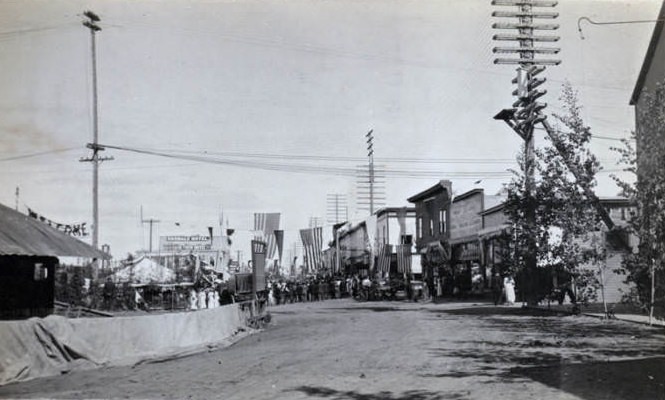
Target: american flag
404	258
312	241
265	225
383	261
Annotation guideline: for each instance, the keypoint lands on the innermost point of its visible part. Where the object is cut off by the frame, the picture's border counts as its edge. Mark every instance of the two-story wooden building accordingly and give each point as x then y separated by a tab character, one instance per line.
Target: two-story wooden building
432	209
353	248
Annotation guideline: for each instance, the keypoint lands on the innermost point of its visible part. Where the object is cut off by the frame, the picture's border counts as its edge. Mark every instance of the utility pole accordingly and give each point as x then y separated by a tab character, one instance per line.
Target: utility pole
17	195
91	23
370	158
336	208
526	111
150	221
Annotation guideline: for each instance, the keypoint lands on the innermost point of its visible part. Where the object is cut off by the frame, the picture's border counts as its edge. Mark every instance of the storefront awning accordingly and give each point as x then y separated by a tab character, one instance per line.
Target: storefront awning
435	253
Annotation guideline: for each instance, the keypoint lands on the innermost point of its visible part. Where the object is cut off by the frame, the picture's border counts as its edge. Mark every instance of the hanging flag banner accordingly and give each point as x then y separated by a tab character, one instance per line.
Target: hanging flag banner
404	258
383	260
312	241
266	224
371	245
79	230
279	239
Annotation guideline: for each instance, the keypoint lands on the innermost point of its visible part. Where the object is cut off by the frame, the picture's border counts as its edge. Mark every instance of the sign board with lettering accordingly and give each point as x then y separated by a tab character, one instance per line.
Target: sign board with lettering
184	244
259	264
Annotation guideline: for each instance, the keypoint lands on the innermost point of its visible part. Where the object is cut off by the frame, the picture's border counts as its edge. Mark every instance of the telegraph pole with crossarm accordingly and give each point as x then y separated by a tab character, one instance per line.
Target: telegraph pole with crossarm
527	110
91	22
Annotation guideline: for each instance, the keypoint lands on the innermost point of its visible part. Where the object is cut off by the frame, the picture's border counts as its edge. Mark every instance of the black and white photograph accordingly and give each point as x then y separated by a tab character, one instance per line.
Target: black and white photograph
332	199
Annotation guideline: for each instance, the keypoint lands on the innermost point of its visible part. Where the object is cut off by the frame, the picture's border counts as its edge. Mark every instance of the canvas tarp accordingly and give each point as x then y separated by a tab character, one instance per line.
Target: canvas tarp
43	347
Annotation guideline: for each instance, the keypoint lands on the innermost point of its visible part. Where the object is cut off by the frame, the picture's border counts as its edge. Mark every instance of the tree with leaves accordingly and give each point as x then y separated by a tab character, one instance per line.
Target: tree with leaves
646	161
567	224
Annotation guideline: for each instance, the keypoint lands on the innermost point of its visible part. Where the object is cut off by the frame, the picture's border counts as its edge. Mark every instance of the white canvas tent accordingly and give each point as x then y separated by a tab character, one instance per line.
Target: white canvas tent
144	270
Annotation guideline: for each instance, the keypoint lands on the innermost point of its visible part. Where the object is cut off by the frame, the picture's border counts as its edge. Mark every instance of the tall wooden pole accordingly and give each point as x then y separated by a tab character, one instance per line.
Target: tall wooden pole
91	24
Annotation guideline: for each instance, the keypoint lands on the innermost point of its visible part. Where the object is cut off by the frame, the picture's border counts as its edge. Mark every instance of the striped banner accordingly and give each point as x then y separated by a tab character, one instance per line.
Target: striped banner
404	258
312	240
279	239
266	224
383	261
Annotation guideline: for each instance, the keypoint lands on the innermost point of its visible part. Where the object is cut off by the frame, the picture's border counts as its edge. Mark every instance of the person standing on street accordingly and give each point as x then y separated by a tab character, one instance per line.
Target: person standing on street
497	288
509	288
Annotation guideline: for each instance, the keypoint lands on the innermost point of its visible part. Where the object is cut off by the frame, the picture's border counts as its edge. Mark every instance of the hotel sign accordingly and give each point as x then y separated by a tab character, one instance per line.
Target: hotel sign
182	243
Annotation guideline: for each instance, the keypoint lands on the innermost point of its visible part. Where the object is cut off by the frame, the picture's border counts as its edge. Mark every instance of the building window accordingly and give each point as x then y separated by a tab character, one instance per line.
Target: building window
420	227
41	272
431	227
442	221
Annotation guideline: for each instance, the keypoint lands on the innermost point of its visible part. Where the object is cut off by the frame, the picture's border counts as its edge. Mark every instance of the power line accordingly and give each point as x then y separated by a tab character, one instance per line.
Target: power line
18	32
593	136
38	154
341	158
302	168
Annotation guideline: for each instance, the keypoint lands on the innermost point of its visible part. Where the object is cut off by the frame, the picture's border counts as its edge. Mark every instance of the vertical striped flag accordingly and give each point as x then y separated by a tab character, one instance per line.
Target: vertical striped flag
312	240
404	258
383	261
267	224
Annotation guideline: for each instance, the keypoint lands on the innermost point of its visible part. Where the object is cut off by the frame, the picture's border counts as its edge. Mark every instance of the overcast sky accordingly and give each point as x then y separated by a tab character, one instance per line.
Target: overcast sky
301	81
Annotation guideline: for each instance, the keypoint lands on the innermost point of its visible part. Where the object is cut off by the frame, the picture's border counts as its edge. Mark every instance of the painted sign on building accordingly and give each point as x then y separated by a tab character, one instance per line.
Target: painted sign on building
183	243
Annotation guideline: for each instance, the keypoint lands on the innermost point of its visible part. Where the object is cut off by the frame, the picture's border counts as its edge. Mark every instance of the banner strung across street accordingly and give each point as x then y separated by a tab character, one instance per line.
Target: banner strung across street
70	229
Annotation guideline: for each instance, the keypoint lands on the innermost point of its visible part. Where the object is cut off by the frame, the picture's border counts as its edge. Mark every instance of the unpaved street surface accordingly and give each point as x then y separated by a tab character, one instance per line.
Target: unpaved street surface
341	349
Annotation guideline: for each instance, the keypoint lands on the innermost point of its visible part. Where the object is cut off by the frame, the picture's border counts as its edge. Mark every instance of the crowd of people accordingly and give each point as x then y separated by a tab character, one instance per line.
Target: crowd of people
319	288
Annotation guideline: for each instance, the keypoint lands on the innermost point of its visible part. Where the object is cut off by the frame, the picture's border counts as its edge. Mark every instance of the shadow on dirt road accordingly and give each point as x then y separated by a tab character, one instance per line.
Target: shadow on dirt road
629	379
317	391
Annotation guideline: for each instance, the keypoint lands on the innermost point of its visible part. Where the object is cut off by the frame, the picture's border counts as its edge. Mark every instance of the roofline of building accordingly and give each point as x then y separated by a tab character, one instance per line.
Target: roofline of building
616	200
603	200
385	210
494	209
648	58
442	185
468	194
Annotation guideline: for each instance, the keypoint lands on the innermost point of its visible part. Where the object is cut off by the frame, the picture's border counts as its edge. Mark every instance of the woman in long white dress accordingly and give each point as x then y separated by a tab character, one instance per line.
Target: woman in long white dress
509	289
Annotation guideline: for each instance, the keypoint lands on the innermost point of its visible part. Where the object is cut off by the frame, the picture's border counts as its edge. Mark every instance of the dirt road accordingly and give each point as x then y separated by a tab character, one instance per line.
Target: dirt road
341	349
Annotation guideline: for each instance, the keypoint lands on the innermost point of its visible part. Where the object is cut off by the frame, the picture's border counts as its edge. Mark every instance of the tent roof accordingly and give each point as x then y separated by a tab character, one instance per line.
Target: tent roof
21	235
145	270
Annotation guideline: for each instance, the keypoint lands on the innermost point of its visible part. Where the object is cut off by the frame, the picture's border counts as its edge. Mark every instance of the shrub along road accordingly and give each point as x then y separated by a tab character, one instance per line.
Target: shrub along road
341	349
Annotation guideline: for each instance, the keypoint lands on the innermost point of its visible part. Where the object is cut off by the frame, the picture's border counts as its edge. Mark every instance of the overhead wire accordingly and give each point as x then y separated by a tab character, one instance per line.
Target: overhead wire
38	154
290	167
12	34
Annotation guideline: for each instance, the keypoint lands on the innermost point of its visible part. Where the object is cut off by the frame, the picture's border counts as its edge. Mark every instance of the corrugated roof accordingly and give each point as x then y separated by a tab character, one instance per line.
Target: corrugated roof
21	235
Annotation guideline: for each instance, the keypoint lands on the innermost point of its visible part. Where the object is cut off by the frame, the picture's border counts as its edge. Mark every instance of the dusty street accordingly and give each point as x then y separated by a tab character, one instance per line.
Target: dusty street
342	349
